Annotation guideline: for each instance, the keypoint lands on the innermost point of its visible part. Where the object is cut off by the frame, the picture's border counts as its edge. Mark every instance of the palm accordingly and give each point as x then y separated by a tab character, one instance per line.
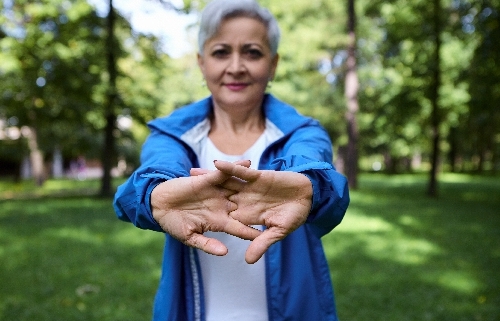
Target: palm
187	207
279	200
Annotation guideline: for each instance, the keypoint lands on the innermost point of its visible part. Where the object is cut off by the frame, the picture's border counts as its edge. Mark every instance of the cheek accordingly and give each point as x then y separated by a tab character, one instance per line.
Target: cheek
213	71
262	73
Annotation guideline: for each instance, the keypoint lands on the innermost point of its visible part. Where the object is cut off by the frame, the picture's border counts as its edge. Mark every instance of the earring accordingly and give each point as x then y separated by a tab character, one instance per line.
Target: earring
203	83
269	84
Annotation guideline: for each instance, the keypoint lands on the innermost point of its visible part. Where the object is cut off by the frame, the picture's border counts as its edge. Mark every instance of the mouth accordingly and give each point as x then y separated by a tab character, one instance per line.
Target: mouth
236	86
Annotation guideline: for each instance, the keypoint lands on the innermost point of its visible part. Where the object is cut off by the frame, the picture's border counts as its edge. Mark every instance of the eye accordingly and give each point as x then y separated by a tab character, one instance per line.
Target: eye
254	53
220	53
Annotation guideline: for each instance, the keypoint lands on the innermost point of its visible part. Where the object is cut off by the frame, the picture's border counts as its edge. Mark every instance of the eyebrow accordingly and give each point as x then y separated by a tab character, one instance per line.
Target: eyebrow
246	45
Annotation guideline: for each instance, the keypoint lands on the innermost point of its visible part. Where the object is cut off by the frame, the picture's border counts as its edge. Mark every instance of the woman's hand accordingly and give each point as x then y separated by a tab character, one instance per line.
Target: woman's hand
186	207
279	200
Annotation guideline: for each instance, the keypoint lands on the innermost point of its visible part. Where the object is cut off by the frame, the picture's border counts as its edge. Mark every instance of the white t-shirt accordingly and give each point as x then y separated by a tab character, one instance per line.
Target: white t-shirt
233	289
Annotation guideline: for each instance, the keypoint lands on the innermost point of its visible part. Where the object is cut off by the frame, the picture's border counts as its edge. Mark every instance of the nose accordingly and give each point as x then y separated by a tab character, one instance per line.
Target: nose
236	64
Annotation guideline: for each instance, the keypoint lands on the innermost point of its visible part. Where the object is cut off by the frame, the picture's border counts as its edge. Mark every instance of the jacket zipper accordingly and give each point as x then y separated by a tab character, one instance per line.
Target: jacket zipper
196	285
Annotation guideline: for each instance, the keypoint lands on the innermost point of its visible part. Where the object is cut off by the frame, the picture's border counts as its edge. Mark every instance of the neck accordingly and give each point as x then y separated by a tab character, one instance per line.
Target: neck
237	120
235	130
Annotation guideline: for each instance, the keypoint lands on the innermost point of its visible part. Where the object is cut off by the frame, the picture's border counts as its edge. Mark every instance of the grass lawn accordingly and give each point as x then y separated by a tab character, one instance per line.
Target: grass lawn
401	256
396	256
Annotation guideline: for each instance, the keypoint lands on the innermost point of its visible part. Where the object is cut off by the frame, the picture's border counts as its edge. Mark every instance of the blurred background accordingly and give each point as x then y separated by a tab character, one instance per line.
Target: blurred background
401	86
409	91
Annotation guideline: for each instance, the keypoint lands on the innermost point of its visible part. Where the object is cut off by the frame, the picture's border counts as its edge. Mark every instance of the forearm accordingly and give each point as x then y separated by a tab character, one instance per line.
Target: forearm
330	199
132	202
330	192
132	199
310	153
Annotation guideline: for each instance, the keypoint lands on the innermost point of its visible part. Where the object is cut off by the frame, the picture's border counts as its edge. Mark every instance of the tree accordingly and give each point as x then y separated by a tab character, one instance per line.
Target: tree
46	42
482	126
432	189
351	93
428	79
409	76
109	150
117	99
56	79
312	79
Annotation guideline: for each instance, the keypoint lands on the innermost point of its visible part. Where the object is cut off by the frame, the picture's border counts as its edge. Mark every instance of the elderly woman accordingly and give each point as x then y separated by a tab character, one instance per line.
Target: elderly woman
242	186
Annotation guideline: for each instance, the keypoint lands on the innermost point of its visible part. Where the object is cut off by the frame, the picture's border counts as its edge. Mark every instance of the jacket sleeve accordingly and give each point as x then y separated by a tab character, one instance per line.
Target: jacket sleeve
162	158
309	151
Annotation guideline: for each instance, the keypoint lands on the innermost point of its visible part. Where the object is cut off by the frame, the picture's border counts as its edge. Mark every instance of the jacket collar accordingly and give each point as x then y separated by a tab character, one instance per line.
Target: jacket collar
282	115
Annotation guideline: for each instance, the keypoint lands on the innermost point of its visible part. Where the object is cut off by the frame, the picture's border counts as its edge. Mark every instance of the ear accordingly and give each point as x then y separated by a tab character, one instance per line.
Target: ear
201	63
274	65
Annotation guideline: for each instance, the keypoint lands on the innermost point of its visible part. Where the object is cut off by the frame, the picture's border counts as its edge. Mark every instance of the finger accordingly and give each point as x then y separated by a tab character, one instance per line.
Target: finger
234	184
227	193
195	171
198	171
206	244
244	173
215	177
246	163
246	216
241	230
261	244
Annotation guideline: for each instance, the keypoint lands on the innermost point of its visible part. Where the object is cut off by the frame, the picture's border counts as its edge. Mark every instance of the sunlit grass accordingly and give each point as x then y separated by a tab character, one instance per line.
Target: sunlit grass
65	186
71	259
401	256
397	255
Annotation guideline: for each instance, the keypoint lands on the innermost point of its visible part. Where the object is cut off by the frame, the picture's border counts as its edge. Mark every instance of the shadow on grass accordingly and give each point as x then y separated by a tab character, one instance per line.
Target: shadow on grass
71	259
397	256
401	256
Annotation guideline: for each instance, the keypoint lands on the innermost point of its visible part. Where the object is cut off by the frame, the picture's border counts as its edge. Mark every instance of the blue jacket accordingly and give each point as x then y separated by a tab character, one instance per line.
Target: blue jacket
297	273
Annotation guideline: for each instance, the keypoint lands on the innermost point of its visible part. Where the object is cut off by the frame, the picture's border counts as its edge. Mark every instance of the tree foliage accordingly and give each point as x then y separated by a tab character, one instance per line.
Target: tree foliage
54	78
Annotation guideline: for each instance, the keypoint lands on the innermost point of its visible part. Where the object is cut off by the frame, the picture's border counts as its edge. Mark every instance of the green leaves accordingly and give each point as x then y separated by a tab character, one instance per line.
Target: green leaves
53	66
53	72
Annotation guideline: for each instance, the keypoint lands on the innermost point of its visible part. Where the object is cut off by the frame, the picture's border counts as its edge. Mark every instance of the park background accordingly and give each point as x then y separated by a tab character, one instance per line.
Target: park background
409	92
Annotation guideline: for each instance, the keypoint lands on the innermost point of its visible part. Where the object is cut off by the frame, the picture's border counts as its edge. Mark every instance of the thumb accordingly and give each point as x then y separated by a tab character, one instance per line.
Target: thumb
261	244
206	244
198	171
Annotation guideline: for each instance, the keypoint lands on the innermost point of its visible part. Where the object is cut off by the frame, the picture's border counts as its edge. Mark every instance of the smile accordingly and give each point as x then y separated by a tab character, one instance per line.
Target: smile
236	86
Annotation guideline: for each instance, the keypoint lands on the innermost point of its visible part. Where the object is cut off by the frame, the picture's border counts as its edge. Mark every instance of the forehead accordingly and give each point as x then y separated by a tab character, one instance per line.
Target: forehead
241	28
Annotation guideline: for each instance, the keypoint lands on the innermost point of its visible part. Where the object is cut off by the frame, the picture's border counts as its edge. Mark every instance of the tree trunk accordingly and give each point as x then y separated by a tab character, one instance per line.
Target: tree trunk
108	153
351	94
453	153
481	159
494	161
434	96
57	164
36	156
340	159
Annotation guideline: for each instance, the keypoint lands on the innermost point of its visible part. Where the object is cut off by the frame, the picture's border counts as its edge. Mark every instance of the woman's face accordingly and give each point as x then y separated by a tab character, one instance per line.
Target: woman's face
237	63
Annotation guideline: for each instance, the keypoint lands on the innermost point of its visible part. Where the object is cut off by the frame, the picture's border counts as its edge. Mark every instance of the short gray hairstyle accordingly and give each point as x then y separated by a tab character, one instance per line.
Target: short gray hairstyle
217	10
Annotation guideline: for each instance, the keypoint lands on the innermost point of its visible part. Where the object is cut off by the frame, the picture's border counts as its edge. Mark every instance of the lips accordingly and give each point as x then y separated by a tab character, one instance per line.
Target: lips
236	86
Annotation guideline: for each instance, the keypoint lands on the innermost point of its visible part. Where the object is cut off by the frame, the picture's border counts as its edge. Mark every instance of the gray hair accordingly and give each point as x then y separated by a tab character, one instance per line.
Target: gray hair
217	10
